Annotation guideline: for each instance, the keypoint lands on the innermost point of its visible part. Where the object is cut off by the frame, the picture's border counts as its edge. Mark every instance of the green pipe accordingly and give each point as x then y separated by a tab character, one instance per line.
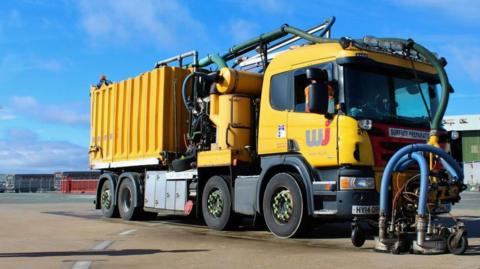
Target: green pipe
216	59
212	59
266	37
306	36
442	75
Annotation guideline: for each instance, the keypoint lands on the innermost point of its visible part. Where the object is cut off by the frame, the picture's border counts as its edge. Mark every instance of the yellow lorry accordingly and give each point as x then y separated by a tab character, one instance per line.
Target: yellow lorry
286	135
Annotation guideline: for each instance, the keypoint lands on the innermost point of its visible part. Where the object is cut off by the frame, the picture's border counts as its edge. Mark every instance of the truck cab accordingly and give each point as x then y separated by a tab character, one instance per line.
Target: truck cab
377	108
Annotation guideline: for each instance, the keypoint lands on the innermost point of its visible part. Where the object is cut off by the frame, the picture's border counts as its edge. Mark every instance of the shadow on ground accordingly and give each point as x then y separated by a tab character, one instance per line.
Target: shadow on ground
122	252
86	215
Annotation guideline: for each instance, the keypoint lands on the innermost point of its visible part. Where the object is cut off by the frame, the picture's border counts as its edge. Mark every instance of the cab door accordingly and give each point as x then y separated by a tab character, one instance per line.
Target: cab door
314	135
272	134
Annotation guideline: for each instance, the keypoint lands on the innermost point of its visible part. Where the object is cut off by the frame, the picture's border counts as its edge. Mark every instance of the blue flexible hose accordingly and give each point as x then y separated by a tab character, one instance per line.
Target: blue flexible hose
407	156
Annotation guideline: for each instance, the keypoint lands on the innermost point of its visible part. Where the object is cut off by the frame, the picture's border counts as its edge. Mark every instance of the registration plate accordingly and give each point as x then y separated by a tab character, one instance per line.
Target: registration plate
365	209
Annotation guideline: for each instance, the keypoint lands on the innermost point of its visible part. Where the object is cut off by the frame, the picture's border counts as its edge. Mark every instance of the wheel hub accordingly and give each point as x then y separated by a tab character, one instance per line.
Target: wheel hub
106	199
127	199
215	203
282	206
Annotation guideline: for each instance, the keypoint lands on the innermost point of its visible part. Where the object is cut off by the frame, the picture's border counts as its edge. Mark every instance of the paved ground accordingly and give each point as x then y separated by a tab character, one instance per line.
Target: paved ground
63	231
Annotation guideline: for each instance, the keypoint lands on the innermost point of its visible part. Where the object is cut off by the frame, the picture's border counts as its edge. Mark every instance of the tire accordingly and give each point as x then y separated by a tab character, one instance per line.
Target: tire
126	208
460	248
357	237
217	204
109	209
282	220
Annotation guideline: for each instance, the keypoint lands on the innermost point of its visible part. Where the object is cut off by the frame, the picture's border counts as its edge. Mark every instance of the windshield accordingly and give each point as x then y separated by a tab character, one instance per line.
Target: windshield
389	97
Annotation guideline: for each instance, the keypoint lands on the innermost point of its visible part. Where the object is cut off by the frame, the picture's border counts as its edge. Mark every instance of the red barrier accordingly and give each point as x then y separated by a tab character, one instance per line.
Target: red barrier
69	185
65	185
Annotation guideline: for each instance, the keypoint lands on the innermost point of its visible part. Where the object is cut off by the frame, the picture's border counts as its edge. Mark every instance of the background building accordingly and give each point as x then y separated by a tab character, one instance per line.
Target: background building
468	128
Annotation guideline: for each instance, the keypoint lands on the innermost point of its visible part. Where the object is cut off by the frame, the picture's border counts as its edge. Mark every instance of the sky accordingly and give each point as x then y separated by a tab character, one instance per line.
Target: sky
51	51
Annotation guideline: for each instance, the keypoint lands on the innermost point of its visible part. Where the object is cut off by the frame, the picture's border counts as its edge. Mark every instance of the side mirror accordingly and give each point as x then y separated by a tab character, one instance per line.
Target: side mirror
318	93
317	74
318	98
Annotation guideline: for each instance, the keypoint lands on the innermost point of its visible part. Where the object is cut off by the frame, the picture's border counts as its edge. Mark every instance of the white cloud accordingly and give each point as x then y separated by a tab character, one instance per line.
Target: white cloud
22	152
460	9
16	63
6	114
269	6
468	59
166	24
242	30
68	113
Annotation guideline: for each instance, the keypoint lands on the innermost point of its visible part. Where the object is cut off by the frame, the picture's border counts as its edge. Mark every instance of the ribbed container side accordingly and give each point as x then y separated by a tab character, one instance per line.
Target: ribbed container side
138	118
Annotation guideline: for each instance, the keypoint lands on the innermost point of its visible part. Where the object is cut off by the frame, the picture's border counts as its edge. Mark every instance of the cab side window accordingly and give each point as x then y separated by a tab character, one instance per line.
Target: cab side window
288	90
280	91
301	83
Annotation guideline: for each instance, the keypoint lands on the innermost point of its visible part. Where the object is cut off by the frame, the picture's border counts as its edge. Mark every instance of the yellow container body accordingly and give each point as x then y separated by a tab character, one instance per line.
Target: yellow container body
133	121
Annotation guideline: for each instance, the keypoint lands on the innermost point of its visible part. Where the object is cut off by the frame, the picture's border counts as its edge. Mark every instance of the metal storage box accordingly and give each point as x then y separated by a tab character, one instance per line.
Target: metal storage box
135	120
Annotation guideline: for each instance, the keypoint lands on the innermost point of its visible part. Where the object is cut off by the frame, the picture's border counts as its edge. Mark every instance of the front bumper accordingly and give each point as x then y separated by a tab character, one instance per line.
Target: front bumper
356	203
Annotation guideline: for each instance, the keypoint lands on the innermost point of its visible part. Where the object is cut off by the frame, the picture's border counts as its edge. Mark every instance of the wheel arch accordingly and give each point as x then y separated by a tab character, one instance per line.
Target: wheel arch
135	179
272	165
106	177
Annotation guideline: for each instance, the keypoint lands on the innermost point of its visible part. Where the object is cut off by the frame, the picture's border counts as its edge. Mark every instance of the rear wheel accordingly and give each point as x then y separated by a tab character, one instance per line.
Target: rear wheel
217	204
283	207
126	194
109	210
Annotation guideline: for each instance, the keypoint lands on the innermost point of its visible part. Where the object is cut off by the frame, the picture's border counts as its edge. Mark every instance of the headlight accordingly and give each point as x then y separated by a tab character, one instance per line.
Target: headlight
365	124
455	135
362	183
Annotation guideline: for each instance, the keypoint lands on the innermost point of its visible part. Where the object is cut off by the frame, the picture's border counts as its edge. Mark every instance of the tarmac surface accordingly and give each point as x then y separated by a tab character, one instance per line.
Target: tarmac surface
52	230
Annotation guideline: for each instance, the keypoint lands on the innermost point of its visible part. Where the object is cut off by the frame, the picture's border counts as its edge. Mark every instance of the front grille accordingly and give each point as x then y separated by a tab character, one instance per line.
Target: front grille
389	148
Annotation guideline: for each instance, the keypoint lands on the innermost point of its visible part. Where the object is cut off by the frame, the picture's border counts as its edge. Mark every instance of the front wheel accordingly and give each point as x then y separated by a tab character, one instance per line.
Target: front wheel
357	236
283	207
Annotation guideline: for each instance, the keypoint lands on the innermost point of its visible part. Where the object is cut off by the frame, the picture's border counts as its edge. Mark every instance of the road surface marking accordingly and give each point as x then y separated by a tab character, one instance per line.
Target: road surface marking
102	245
82	265
127	232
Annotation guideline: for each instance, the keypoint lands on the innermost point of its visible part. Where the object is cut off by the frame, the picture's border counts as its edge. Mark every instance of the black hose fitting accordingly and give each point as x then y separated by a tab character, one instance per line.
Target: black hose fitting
409	44
344	42
443	61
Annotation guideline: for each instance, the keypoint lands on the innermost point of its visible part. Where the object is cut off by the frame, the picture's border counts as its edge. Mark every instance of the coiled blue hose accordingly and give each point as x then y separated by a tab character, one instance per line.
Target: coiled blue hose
407	156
